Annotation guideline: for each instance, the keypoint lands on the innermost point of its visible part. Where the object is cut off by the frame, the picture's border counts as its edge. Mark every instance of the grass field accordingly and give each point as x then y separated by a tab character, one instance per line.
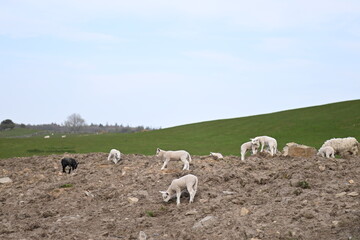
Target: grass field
310	126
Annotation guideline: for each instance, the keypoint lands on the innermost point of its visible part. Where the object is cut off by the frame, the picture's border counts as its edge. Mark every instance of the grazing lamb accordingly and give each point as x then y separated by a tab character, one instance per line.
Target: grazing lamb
177	185
248	146
343	146
47	136
182	155
326	151
265	140
114	155
72	163
216	156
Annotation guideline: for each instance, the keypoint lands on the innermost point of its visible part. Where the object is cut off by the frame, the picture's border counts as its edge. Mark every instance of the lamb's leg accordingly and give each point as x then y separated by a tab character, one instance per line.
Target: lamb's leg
178	195
69	169
186	165
192	194
64	169
243	155
165	164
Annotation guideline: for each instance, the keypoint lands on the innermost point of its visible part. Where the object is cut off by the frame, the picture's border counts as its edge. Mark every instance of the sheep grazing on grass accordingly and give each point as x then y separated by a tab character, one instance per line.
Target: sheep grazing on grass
248	146
182	155
114	155
266	141
72	163
47	136
216	156
343	146
326	151
190	182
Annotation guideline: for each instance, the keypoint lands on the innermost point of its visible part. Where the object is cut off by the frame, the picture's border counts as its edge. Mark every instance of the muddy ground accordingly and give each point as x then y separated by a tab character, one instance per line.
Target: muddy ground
263	198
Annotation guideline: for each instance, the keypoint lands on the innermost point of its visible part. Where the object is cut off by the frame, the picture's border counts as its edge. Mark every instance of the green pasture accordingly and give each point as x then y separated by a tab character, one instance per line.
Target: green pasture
310	126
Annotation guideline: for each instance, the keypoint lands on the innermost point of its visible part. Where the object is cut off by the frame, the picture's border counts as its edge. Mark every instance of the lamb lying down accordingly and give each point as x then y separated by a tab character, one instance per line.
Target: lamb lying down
72	163
177	185
216	156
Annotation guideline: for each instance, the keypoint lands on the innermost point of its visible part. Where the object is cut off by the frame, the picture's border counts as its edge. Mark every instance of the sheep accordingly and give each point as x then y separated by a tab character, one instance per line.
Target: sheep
63	136
47	136
326	151
216	156
72	163
177	185
265	140
343	146
182	155
115	155
248	146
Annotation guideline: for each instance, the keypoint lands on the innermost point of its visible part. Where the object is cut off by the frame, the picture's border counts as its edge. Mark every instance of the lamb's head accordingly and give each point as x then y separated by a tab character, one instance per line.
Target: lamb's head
255	141
159	152
165	195
75	164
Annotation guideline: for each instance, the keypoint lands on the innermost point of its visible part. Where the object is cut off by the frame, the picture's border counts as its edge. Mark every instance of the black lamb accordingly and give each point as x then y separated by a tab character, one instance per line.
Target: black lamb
72	163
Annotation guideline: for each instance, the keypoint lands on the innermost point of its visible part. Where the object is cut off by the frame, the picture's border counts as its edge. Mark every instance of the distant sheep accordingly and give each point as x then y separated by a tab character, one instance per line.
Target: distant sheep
326	151
72	163
266	141
114	155
177	185
47	136
182	155
343	146
63	136
248	146
216	156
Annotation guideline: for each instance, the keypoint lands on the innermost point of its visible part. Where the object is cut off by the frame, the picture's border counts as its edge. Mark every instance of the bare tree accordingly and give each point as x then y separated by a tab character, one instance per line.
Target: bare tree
75	122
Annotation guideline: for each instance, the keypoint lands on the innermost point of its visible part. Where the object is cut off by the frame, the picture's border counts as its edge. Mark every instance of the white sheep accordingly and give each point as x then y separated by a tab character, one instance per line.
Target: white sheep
182	155
248	146
177	185
114	155
47	136
266	141
326	151
216	156
343	146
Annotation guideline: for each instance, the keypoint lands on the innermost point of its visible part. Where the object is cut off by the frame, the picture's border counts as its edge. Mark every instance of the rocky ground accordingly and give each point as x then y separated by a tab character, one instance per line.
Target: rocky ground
262	198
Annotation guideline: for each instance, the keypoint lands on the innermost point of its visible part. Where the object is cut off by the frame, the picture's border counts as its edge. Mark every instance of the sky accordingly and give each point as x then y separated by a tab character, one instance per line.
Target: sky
166	63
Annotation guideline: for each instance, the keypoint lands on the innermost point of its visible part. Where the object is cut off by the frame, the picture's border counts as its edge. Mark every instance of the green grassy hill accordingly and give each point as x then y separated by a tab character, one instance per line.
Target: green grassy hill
310	126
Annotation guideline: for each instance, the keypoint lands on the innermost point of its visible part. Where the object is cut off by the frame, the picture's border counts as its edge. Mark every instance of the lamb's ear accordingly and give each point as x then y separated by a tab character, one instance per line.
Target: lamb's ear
162	192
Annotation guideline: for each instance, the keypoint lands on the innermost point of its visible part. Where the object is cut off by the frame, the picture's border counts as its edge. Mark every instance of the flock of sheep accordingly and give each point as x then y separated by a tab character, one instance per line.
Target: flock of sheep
189	182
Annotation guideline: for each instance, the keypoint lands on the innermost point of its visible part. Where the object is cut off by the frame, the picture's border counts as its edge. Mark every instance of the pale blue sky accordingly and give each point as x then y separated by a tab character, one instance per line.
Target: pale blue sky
166	63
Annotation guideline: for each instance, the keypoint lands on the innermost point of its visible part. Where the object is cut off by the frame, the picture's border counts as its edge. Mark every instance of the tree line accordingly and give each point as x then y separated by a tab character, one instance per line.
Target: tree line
75	124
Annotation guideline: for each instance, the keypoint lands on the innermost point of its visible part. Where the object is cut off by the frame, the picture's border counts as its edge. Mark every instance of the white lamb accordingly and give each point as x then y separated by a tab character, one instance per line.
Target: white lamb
182	155
216	156
248	146
266	141
177	185
343	146
114	155
326	151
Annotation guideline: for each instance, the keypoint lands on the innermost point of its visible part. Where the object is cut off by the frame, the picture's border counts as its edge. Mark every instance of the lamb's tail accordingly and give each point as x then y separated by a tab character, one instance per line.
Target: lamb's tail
196	184
189	158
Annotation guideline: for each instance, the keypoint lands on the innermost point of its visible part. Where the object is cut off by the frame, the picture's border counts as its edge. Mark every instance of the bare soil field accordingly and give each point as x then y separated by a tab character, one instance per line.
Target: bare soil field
261	198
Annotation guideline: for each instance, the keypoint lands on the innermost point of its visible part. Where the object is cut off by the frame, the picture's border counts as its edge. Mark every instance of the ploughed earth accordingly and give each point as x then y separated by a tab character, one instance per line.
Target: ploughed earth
261	198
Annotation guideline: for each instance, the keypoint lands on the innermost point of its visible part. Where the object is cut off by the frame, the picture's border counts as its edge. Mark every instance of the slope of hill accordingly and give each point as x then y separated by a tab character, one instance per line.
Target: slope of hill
310	126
